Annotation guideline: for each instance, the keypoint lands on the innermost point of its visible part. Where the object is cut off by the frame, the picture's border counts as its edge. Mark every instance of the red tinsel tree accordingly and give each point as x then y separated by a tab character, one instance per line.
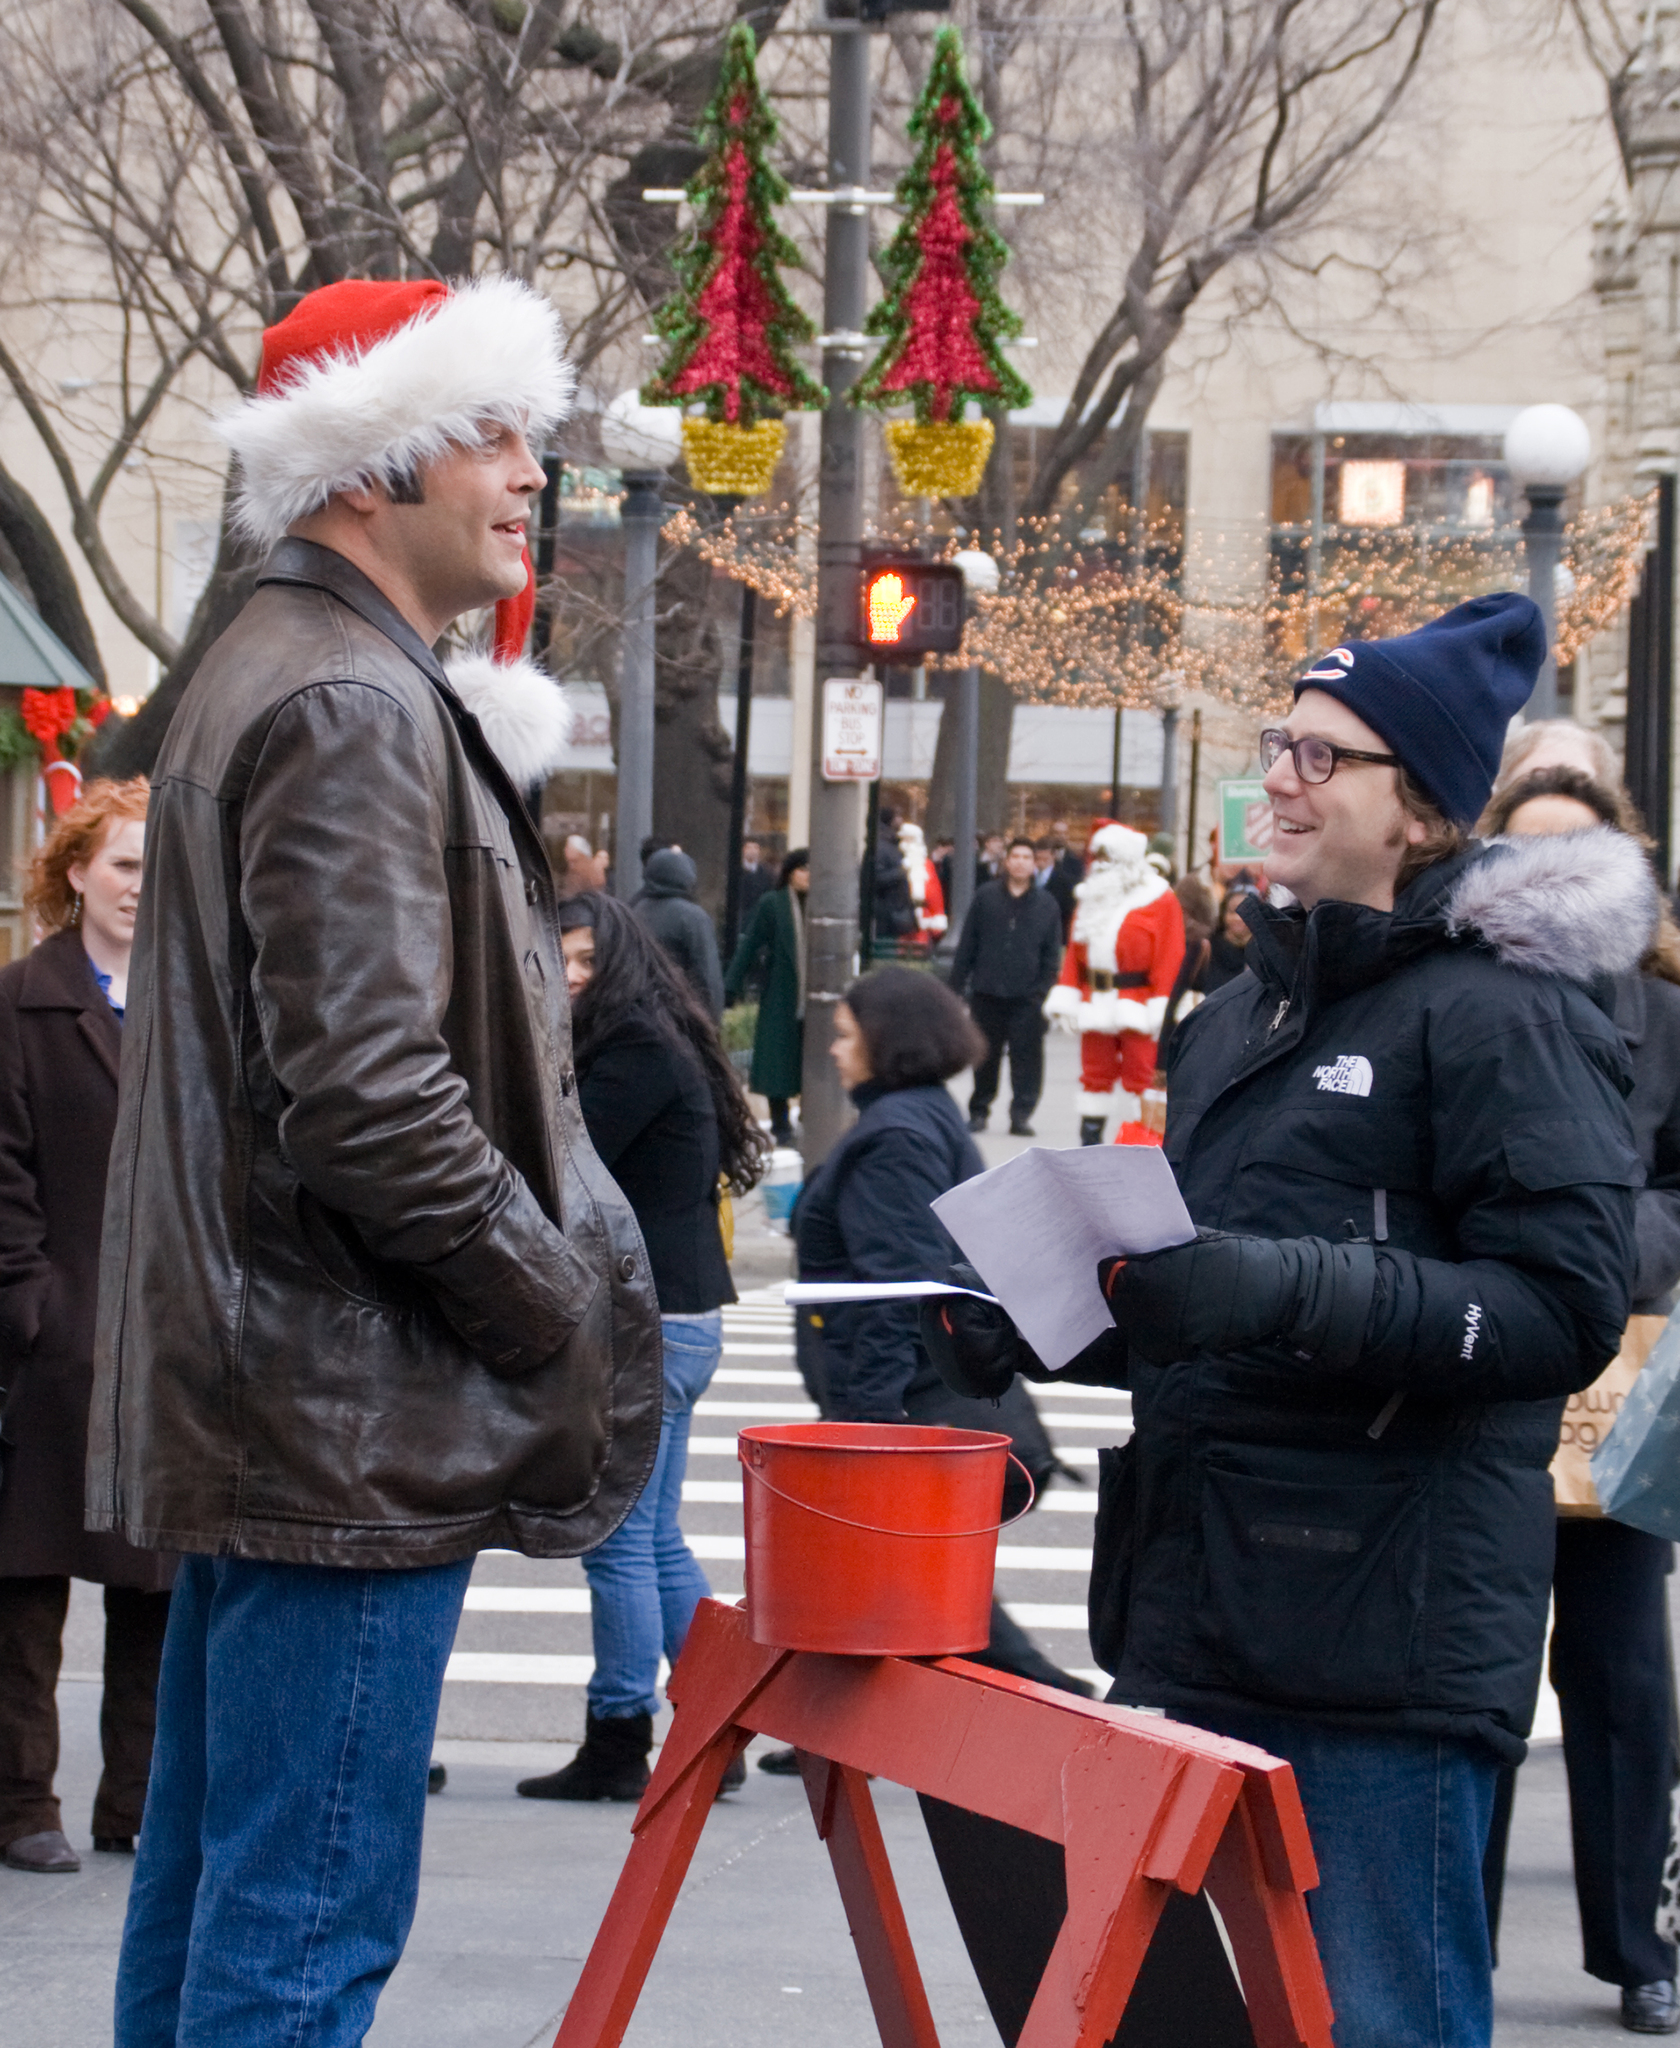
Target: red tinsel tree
942	319
731	326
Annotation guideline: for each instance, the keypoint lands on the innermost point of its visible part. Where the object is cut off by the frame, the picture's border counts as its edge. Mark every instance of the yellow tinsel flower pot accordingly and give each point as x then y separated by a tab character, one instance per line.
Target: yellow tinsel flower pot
943	460
732	461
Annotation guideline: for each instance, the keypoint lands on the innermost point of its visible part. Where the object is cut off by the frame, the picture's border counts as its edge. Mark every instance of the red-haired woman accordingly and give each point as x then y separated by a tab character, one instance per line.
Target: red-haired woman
60	1030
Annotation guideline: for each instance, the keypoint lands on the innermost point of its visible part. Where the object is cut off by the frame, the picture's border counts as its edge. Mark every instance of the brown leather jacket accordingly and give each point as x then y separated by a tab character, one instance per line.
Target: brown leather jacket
367	1295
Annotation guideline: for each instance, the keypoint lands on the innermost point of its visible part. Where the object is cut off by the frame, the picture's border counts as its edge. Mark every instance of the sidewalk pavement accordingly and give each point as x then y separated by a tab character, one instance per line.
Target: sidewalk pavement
757	1951
757	1954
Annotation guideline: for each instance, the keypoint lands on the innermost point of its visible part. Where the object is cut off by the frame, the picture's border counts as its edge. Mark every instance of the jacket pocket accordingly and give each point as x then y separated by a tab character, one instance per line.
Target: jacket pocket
1313	1591
1113	1547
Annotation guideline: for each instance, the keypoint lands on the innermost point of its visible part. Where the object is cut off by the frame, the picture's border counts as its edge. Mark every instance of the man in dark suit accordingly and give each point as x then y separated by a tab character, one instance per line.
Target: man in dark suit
756	879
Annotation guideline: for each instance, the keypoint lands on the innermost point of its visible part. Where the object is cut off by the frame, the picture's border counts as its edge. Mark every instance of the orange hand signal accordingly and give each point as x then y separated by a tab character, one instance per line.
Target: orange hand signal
888	607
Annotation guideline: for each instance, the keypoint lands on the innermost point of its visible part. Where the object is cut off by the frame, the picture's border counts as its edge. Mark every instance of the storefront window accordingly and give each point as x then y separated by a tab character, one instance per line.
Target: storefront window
1362	523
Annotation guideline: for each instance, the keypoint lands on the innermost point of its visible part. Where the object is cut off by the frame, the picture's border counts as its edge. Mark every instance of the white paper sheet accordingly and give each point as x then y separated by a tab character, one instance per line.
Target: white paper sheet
1035	1227
809	1293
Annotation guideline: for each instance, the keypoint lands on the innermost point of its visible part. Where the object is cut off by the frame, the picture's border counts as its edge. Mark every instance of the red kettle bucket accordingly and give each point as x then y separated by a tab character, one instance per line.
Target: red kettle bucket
871	1539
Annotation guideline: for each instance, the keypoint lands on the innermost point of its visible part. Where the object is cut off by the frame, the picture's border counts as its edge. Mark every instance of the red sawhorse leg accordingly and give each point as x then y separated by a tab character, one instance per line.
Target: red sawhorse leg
1141	1806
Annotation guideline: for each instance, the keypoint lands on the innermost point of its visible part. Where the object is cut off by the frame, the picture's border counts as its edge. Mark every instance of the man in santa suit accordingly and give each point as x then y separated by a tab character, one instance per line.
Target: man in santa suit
926	894
1122	961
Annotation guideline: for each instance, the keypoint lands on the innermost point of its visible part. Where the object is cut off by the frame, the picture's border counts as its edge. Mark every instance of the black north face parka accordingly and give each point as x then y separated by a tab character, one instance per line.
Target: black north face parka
1374	1546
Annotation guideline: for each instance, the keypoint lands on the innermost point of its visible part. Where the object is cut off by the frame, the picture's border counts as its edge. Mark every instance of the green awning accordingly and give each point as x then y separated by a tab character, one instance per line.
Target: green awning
31	654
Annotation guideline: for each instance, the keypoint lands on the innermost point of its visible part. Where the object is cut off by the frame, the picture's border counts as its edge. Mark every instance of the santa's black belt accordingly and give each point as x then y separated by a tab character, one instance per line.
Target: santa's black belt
1102	980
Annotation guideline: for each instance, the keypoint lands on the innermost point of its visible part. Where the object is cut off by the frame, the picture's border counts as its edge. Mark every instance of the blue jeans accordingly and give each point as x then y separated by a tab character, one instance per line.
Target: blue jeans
279	1857
644	1584
1398	1823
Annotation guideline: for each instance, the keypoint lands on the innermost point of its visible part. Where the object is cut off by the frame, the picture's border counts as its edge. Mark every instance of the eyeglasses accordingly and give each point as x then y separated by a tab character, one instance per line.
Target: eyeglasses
1316	760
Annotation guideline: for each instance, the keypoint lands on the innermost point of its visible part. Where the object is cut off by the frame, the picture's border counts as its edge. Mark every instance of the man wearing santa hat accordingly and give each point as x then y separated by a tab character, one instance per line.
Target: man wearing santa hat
369	1302
1121	964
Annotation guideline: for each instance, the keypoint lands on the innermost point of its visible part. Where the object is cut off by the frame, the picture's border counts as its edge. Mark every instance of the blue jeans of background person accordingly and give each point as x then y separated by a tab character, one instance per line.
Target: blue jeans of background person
644	1584
1398	1825
279	1857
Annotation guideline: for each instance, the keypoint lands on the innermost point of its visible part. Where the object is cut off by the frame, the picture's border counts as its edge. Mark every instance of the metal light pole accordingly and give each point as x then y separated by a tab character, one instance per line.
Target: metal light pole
738	772
831	904
641	440
980	578
1546	449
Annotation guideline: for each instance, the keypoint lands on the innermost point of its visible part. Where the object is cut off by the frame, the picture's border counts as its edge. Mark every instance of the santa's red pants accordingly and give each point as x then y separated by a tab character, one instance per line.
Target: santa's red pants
1108	1059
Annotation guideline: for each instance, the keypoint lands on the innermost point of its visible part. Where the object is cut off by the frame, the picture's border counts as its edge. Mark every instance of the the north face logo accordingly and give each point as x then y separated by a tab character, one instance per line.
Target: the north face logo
1350	1075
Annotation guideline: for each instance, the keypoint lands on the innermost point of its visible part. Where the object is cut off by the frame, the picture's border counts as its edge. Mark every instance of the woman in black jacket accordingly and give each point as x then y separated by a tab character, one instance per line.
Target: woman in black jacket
61	1012
666	1114
1609	1653
899	1036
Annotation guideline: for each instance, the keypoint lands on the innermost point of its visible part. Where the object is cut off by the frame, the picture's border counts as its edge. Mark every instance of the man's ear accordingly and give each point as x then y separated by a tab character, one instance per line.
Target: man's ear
362	499
1416	831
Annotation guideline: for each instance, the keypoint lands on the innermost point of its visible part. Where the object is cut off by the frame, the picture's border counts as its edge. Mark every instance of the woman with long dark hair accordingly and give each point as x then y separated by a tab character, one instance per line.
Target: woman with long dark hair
665	1111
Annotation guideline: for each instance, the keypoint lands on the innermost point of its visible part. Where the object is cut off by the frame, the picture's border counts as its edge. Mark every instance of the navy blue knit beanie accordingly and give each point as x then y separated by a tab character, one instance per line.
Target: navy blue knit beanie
1443	696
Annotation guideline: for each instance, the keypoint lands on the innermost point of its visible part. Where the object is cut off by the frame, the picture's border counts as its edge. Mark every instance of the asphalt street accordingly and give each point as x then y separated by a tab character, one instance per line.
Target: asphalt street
758	1950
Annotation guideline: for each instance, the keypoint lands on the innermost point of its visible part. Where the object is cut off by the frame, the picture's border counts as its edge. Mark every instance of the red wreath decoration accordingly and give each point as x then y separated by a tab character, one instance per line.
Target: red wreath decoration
49	717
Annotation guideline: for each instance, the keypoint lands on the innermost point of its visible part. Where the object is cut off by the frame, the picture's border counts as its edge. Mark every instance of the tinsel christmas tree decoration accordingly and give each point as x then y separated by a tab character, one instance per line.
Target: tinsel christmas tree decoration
942	321
731	327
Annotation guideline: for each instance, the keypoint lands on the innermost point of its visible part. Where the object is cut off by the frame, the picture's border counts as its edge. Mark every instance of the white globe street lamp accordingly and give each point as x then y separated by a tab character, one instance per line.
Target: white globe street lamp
642	441
1546	449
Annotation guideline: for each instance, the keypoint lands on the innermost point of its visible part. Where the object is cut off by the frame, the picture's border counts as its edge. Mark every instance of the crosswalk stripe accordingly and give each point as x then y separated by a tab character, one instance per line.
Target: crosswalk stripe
761	1411
519	1667
752	1376
1080	1456
575	1600
724	1492
737	1350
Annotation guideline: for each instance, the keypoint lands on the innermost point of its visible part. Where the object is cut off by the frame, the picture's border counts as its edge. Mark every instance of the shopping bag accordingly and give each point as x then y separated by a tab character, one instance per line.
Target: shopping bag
1589	1415
1636	1470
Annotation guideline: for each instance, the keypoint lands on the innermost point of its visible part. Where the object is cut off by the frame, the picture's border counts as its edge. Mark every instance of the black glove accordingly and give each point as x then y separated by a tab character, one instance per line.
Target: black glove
973	1344
1222	1293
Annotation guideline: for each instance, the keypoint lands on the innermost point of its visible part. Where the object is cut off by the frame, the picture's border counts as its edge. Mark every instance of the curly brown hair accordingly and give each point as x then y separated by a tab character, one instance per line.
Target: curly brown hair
74	839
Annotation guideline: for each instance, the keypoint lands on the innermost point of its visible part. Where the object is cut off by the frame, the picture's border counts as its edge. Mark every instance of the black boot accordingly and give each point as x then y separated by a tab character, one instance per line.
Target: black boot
612	1764
1091	1129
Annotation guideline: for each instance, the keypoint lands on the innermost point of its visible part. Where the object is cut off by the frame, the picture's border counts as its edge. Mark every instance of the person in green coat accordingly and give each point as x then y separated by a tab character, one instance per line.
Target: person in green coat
777	929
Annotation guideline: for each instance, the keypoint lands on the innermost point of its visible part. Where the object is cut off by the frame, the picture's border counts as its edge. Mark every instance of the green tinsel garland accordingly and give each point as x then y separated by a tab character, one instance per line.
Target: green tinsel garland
17	744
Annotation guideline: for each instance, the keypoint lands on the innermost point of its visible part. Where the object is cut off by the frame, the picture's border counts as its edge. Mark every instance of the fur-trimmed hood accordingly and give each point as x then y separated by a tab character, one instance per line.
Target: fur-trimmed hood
1576	904
525	715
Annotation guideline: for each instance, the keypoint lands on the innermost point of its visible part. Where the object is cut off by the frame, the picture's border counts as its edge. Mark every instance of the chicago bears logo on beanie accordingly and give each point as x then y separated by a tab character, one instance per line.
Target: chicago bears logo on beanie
1442	697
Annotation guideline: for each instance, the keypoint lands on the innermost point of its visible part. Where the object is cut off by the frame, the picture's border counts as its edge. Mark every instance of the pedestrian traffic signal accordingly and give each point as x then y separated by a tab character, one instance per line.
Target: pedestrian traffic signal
910	608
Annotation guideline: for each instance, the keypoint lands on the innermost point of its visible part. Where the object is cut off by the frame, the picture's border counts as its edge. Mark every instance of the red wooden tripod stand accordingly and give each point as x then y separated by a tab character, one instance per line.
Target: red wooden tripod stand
1140	1806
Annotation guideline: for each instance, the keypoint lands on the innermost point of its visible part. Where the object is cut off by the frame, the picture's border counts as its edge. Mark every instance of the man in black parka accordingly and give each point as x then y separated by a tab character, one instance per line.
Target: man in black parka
1402	1138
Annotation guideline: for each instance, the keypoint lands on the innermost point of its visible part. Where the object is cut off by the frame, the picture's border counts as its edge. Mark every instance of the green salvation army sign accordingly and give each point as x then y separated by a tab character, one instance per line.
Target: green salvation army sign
1245	822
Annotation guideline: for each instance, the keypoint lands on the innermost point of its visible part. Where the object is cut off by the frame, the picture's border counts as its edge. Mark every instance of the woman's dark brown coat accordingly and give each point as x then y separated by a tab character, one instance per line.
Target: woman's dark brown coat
59	1043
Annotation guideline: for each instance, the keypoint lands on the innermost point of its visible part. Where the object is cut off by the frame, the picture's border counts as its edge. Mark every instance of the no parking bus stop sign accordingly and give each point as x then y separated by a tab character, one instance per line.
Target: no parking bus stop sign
851	730
1245	822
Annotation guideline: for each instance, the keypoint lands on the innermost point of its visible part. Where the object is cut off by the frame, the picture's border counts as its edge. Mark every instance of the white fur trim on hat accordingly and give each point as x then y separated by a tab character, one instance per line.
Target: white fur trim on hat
492	352
525	714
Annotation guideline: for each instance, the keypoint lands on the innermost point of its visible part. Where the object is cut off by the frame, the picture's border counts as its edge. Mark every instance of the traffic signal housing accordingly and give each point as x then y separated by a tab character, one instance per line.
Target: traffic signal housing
909	608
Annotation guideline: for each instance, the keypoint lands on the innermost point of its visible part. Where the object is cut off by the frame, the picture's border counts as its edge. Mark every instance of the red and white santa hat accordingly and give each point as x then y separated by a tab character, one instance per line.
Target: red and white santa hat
366	380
